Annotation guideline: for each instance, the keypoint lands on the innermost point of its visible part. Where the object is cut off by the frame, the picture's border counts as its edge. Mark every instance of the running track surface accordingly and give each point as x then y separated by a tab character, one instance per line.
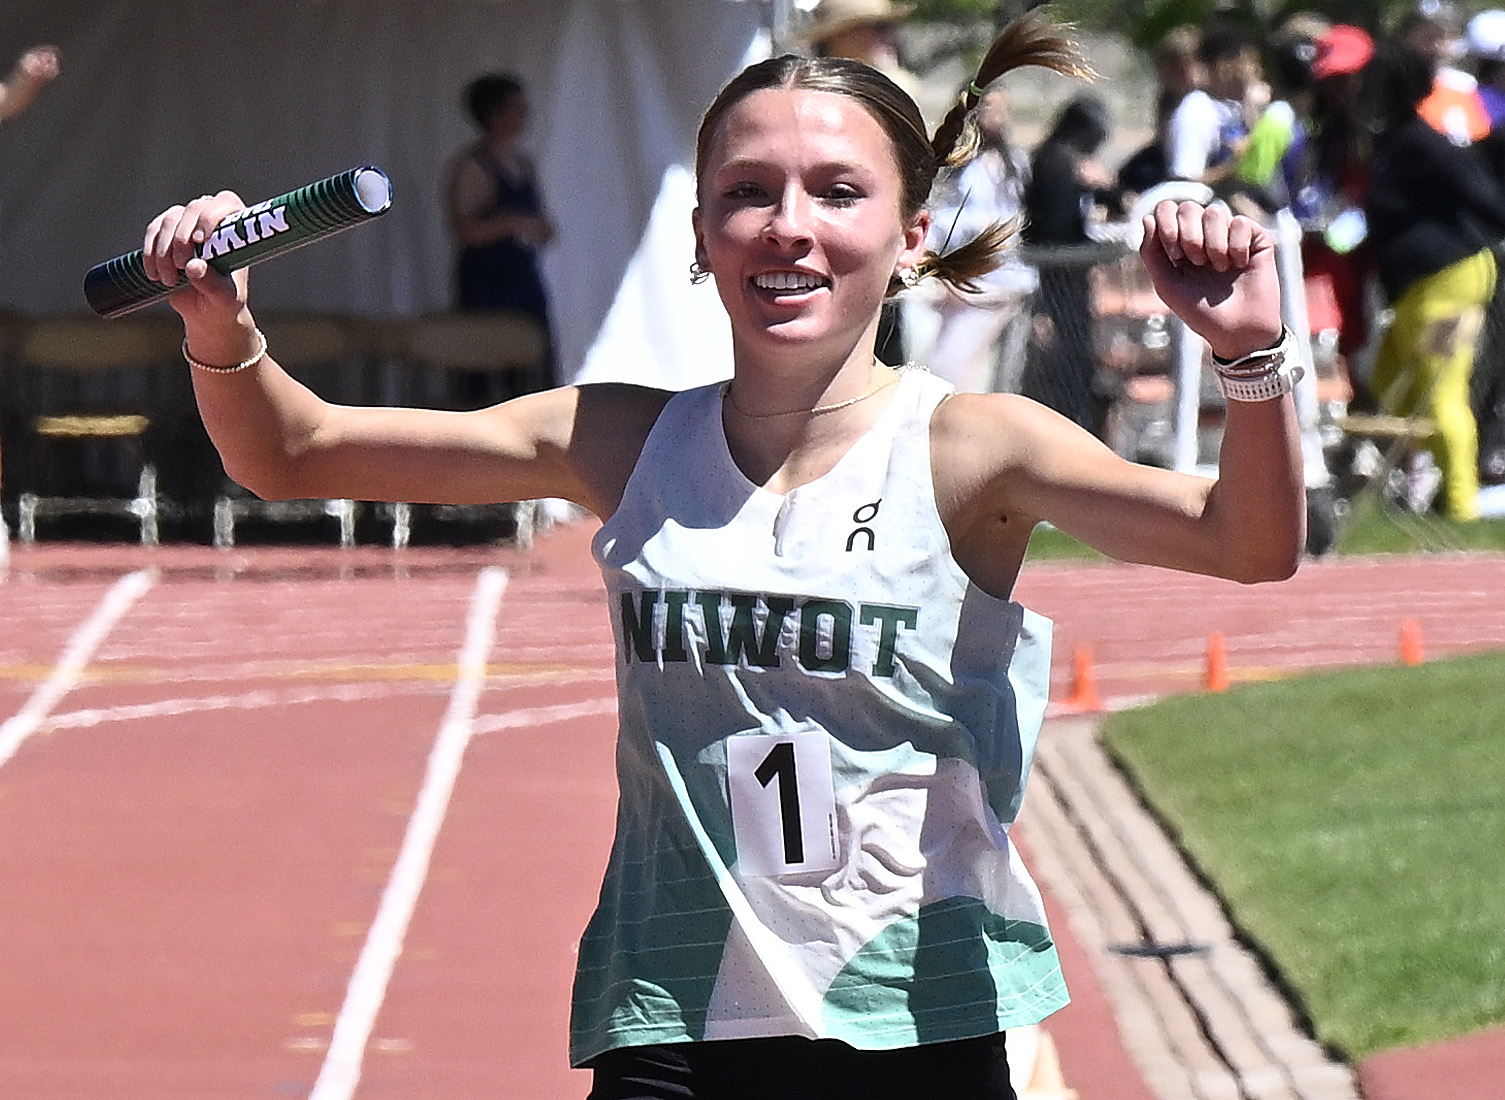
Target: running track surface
282	823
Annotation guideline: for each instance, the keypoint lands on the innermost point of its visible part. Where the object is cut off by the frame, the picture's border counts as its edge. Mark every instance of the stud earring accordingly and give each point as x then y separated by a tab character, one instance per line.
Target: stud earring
698	274
908	276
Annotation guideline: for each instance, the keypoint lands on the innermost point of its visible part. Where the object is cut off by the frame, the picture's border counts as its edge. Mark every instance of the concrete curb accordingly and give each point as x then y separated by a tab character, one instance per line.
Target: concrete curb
1193	1004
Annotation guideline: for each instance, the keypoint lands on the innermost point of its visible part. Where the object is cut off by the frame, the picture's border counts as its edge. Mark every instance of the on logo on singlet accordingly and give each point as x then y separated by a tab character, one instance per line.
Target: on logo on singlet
863	535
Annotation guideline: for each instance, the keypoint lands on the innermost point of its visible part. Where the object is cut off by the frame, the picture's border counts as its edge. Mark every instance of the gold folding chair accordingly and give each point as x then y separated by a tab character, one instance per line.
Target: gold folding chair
95	388
1396	437
443	357
9	326
324	352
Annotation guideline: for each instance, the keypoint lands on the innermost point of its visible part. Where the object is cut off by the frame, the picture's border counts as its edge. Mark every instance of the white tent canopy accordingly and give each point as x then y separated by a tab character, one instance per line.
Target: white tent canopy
161	101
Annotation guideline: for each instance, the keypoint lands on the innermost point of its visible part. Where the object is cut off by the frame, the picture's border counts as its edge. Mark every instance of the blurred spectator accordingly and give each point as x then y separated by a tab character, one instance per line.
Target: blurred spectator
1452	105
1146	166
1178	72
866	31
1064	186
1262	186
1433	212
1484	44
497	215
1486	55
1265	172
1209	126
1328	178
33	71
1178	62
988	190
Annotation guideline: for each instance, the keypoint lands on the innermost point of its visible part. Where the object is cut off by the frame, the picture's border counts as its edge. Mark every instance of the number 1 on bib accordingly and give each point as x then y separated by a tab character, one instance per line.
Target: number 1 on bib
783	802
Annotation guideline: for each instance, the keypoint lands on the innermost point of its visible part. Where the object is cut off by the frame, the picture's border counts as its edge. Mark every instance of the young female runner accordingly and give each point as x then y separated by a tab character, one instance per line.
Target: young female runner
828	702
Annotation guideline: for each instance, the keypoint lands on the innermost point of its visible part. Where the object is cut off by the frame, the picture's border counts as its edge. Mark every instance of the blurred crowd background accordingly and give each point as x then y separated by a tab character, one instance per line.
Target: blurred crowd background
540	230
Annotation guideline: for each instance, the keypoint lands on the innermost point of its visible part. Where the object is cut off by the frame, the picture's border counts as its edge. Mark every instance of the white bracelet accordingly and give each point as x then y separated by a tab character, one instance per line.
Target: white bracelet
1277	383
247	364
1260	375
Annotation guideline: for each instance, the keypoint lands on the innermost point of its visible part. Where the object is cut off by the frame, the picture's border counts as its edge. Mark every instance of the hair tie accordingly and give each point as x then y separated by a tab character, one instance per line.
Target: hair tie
974	89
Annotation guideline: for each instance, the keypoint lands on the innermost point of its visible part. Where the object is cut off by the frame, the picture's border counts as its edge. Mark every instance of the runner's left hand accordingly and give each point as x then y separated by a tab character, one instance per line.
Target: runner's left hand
1216	271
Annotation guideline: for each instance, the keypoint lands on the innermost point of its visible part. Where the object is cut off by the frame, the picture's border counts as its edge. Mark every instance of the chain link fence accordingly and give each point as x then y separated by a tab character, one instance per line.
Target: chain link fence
1087	337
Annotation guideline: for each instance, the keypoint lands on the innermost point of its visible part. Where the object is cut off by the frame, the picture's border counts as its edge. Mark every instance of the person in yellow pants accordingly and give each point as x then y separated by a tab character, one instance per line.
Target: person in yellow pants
1433	210
1425	365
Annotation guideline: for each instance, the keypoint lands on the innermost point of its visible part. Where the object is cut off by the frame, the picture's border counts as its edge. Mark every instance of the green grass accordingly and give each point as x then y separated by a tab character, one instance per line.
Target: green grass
1354	825
1372	528
1369	529
1047	543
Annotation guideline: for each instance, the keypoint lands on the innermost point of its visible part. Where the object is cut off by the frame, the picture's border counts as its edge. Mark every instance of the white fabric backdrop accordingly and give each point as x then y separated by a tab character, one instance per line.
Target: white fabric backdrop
161	100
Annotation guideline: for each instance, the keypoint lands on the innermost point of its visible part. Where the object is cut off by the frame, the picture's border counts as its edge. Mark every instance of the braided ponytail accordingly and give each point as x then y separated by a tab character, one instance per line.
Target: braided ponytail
1032	39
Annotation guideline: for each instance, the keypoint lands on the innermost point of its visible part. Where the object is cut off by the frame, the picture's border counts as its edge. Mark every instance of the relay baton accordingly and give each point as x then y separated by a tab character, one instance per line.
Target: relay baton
321	209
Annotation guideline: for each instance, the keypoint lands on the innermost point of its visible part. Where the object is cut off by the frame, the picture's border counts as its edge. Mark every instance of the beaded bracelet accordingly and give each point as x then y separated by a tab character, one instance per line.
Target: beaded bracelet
261	351
1260	375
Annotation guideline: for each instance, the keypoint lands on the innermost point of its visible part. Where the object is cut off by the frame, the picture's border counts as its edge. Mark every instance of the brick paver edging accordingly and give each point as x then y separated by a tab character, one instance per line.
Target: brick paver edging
1193	1004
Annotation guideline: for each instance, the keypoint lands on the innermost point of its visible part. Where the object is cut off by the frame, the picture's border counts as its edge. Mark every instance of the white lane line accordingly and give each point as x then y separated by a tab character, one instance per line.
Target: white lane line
248	700
265	698
341	1071
76	657
543	716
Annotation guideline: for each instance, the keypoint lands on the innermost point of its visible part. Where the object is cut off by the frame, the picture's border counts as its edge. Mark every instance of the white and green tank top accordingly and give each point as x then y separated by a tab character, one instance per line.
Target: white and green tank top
825	732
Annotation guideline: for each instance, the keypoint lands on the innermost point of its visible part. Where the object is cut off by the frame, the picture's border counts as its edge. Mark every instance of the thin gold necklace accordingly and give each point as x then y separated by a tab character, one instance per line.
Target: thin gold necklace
726	395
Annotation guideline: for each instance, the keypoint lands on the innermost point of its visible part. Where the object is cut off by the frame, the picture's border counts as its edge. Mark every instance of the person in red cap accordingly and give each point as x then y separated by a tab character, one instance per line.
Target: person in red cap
1343	50
1327	196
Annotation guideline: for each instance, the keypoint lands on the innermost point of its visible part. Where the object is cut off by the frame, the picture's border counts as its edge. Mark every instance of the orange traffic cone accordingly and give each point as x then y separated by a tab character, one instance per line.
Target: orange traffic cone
1217	662
1411	653
1083	697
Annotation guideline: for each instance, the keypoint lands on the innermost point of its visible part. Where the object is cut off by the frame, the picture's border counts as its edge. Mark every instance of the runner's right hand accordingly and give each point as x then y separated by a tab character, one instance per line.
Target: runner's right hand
172	238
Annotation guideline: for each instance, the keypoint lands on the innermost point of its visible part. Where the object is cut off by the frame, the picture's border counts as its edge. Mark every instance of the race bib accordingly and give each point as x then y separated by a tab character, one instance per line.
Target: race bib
783	802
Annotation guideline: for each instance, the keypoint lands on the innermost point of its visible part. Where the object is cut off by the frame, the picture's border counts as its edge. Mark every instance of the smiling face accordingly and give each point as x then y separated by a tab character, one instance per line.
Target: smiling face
800	220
